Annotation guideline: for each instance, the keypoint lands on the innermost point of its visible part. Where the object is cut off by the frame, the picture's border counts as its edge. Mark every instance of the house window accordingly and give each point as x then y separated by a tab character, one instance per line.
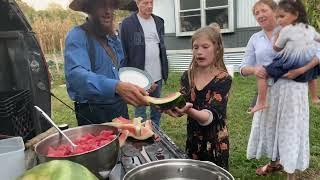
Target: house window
193	14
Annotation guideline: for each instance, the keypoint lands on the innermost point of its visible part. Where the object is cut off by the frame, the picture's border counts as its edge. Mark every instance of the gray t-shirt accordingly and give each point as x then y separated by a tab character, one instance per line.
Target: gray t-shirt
152	41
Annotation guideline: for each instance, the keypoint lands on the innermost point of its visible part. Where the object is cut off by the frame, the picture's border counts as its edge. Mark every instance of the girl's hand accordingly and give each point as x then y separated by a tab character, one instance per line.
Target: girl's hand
152	88
260	72
178	112
292	74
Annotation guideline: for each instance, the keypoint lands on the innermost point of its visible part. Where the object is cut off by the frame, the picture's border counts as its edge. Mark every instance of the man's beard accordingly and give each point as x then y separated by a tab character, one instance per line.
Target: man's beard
107	29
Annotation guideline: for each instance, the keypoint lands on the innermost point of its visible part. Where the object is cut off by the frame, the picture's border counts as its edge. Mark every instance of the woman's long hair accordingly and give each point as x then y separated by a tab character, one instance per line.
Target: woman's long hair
215	37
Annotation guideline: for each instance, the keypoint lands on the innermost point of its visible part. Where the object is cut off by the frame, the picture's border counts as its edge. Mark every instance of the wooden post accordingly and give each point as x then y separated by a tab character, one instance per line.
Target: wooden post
61	48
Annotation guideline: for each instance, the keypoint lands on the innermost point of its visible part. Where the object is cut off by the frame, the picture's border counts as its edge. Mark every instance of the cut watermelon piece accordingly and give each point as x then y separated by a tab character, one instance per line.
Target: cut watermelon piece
140	131
84	144
122	120
169	102
123	137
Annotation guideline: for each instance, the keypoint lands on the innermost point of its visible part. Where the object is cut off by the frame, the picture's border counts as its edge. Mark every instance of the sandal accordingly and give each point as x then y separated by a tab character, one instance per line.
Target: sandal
267	169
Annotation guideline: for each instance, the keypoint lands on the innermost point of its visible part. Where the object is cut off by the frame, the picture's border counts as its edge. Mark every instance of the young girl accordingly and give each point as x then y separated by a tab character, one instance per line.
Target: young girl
206	86
297	42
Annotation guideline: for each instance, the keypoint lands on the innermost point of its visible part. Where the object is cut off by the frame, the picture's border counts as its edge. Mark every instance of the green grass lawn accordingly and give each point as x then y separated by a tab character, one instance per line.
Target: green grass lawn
239	123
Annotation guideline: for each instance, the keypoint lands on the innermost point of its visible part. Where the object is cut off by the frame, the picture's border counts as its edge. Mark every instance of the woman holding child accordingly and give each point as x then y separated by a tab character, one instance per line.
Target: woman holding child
280	131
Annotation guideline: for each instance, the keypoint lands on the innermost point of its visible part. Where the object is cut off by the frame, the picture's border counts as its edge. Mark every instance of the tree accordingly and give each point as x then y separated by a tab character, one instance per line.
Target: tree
28	11
313	11
52	24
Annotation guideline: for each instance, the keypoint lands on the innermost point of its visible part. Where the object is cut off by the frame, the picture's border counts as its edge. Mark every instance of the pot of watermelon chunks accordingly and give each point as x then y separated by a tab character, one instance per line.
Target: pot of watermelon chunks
97	147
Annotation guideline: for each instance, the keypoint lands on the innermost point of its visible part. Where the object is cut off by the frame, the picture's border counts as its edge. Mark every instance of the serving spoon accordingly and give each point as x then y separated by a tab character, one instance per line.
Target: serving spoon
54	125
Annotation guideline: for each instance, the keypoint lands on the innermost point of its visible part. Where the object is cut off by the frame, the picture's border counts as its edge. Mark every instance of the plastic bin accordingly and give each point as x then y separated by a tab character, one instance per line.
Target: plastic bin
12	163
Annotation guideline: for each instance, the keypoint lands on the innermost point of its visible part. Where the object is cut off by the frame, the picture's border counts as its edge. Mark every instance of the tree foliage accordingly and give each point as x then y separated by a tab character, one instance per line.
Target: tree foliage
51	25
313	10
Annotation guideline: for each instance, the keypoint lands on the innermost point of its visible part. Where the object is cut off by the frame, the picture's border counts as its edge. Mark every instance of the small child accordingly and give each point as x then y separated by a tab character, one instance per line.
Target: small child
297	42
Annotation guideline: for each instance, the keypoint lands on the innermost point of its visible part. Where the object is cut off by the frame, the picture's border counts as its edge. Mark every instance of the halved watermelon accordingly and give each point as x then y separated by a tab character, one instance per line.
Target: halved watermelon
169	102
58	170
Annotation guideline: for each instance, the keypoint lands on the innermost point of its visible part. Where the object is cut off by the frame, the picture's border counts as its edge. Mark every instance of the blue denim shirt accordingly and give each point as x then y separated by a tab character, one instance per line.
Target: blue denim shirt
84	85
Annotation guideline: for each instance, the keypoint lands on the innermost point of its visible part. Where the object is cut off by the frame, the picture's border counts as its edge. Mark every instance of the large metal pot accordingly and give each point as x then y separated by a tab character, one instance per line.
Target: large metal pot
98	160
178	169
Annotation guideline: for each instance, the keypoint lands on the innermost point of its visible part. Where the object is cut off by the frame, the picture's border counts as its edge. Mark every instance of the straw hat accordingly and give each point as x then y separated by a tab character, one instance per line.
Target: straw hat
82	5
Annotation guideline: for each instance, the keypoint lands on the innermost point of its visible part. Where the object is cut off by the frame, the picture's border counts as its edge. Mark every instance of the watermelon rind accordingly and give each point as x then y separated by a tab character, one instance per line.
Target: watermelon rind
58	170
174	100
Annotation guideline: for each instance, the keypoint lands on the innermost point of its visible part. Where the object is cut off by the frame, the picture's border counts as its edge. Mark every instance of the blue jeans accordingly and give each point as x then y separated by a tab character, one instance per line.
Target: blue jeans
155	115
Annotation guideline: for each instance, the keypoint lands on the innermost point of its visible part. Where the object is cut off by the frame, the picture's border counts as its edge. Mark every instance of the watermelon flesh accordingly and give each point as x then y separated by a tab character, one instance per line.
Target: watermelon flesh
133	128
84	144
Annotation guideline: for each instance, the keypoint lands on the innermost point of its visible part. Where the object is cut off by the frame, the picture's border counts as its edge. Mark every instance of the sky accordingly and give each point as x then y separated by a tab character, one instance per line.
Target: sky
43	4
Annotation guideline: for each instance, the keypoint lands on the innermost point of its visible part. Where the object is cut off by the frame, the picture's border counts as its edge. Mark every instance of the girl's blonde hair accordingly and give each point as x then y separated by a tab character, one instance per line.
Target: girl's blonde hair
213	34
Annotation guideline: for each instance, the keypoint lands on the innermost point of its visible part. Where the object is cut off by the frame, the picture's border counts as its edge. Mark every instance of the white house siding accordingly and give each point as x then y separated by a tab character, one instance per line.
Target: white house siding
165	9
179	60
244	13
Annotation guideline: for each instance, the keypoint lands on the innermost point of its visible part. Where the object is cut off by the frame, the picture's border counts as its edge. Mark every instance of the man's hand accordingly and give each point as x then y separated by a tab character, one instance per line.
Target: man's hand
260	72
132	94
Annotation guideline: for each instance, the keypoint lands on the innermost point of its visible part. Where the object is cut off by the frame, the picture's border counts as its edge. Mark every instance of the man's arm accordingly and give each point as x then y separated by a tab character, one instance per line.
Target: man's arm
93	86
78	70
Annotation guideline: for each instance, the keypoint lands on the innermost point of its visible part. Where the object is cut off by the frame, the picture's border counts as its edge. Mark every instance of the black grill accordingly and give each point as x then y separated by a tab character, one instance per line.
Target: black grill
15	114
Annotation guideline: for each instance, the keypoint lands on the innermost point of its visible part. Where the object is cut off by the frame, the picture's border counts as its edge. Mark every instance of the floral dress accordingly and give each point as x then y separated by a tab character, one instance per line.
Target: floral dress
210	142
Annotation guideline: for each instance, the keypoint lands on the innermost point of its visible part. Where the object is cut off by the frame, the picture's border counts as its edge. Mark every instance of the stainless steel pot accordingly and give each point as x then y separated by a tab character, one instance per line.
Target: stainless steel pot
98	160
178	169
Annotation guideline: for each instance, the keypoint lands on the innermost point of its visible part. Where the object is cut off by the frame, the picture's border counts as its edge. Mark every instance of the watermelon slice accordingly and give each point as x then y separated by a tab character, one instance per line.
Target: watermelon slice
169	102
122	120
135	128
123	137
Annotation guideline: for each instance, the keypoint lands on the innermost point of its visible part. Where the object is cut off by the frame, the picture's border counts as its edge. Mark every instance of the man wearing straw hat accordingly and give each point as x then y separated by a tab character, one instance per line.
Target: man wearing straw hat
92	57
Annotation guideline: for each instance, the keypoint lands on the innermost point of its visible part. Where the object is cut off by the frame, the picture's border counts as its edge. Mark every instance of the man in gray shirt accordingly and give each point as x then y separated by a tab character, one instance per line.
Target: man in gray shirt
142	39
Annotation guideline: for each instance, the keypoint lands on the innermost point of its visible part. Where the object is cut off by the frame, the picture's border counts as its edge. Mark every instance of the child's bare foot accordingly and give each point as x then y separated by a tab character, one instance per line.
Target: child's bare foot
258	107
315	100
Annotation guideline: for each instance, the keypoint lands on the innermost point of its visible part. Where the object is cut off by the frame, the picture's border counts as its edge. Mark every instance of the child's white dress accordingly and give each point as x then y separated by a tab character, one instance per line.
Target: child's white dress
299	47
